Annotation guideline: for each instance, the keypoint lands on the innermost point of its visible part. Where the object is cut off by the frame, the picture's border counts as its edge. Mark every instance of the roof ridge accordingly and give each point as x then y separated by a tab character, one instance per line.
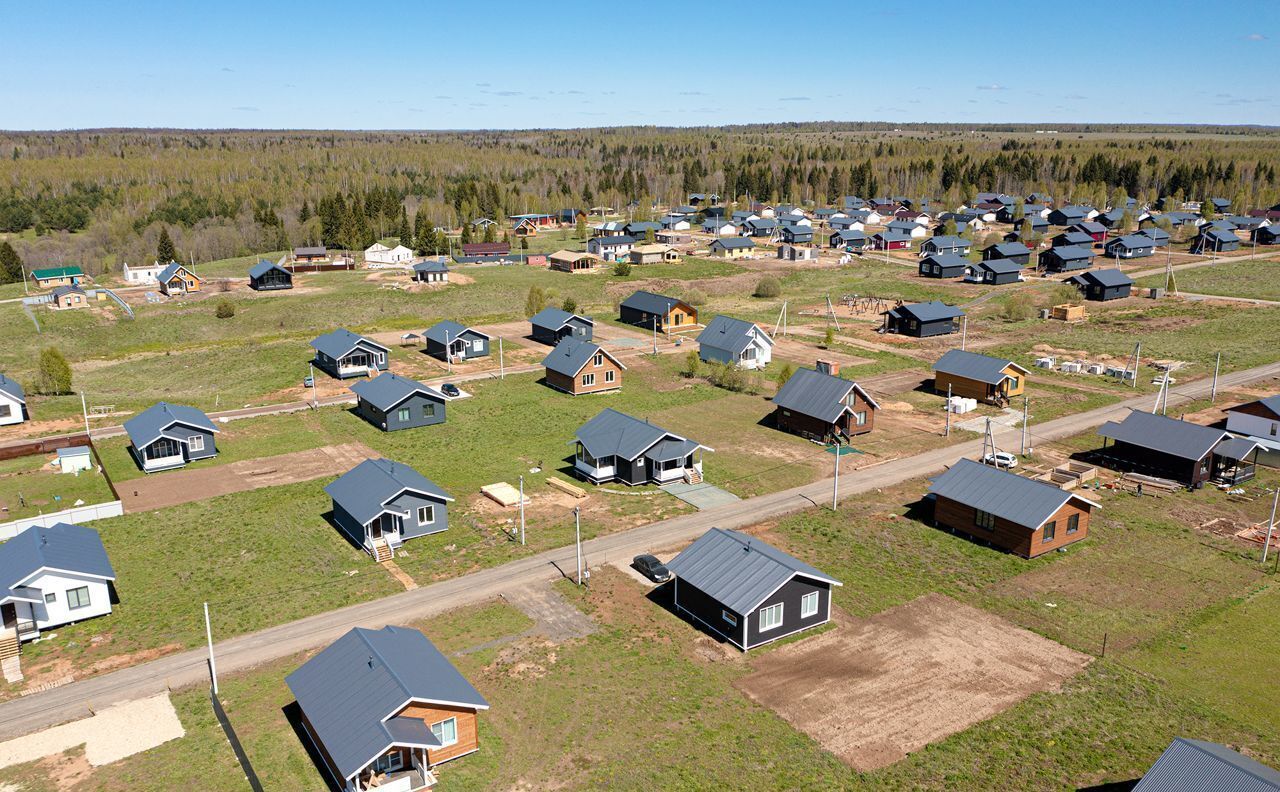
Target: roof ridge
363	633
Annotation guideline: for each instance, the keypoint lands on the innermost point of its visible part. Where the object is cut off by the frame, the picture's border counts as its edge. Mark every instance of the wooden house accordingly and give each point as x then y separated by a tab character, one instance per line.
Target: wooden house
1071	238
746	591
923	320
1214	240
797	234
391	403
1018	514
1181	451
1266	235
50	277
550	325
653	254
1065	258
890	240
577	367
177	279
569	261
1096	231
823	407
1102	285
343	354
994	272
1069	215
982	377
657	311
453	342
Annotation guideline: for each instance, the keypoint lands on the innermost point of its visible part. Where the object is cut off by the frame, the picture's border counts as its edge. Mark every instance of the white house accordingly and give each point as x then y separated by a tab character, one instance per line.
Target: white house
13	402
50	577
143	275
378	253
1259	421
729	340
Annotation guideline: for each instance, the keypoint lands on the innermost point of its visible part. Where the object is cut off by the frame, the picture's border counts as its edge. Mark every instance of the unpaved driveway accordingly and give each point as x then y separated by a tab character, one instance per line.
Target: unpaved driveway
112	734
874	690
161	490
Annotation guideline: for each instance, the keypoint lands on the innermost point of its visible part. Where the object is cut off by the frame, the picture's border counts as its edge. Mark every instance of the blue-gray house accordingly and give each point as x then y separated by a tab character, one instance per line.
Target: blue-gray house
343	354
392	402
552	324
166	436
269	276
380	504
450	341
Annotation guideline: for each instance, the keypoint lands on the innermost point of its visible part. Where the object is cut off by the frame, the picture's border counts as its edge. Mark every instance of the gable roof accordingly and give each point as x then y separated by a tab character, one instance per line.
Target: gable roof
612	433
150	425
1000	266
13	389
817	394
555	318
61	290
947	241
1167	435
932	311
1010	249
737	570
387	390
1015	498
315	250
264	266
448	331
55	272
1089	227
337	343
649	302
735	335
947	260
1106	278
1272	403
616	240
173	269
1070	252
350	690
1073	238
63	546
972	365
730	243
571	354
1195	765
1131	241
364	490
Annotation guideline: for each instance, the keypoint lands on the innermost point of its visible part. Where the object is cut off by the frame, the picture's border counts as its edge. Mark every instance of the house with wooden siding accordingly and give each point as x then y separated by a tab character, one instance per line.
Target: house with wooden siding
890	240
923	320
177	279
1266	235
569	261
310	255
747	591
1258	421
49	277
381	708
823	407
657	311
732	248
13	402
971	375
735	341
269	276
1181	451
343	354
994	272
653	254
1102	285
1066	258
943	265
486	248
451	341
391	402
797	235
614	446
550	325
379	505
166	436
1069	215
577	367
1012	512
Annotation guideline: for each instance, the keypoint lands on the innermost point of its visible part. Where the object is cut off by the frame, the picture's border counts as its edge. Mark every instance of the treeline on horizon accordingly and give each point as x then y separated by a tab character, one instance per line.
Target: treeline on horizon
99	198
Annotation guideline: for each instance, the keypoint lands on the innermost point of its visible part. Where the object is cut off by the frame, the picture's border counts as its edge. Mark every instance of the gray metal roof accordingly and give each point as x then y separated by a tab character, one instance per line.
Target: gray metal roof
571	354
1106	278
971	365
264	266
59	291
947	260
948	242
617	240
171	270
448	331
1070	252
733	242
851	235
612	433
13	389
1199	766
1000	266
817	394
737	570
1075	238
734	335
365	489
554	318
1018	499
1090	227
387	390
320	250
150	424
431	265
651	303
1237	448
931	311
339	342
72	548
1010	249
1181	439
1272	403
1131	241
359	681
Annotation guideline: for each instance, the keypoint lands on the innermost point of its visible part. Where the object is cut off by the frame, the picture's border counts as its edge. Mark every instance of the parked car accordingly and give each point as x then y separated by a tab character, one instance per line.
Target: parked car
1001	459
308	381
652	568
450	390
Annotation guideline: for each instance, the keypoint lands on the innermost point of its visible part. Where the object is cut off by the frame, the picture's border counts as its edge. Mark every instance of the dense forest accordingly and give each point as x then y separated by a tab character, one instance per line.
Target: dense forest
102	197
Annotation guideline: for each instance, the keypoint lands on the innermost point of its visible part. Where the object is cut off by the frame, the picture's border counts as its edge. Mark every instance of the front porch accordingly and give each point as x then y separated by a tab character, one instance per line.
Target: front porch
163	454
396	777
383	535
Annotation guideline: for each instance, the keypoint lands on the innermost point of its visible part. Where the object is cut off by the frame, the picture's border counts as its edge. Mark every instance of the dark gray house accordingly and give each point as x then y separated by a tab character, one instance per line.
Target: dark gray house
1197	766
269	276
613	446
637	229
923	320
391	402
1072	238
945	244
648	310
166	436
1007	251
344	354
1102	285
1215	240
1159	237
1130	246
380	504
1065	258
552	324
797	234
1069	215
848	239
1188	453
746	591
943	265
1266	235
449	340
994	272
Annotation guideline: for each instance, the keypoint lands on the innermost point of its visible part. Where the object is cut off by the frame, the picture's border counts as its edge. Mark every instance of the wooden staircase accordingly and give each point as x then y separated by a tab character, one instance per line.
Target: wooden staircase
8	646
692	476
381	551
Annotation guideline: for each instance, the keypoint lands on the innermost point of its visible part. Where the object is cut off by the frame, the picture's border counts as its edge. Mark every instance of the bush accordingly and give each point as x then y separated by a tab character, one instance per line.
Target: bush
55	373
569	305
783	374
225	310
535	301
1018	307
695	297
732	378
622	268
828	337
768	287
692	363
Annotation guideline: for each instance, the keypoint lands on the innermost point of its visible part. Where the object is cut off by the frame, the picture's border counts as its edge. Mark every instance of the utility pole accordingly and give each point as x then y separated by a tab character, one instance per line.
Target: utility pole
988	439
835	486
502	367
1025	403
654	324
1271	525
1137	357
213	666
311	369
85	410
947	432
448	352
1213	391
577	539
964	330
522	509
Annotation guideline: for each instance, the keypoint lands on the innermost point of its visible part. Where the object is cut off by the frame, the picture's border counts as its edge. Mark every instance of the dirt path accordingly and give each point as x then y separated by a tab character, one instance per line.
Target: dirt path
183	486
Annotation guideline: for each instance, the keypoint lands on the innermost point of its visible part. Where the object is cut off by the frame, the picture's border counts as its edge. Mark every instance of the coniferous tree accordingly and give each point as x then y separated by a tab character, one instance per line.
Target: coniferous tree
55	373
11	269
404	232
165	251
304	214
466	233
490	233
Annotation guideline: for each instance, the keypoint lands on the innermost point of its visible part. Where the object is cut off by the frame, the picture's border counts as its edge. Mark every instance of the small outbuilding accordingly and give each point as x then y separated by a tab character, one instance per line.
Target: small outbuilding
450	341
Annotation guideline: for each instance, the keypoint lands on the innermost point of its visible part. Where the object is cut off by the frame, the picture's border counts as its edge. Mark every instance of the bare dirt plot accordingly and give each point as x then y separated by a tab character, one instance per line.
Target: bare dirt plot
183	486
874	690
112	734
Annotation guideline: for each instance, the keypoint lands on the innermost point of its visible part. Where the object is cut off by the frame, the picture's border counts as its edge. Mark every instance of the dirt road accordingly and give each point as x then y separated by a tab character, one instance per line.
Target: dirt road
190	667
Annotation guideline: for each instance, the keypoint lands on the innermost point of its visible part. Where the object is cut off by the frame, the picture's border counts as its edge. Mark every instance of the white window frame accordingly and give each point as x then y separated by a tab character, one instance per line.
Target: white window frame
388	763
984	519
440	734
195	443
860	418
74	601
767	619
809	605
426	515
477	345
609	376
598	360
728	617
588	380
404	414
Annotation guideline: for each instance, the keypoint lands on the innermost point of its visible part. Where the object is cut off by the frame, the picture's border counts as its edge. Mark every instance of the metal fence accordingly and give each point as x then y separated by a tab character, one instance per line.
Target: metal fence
236	747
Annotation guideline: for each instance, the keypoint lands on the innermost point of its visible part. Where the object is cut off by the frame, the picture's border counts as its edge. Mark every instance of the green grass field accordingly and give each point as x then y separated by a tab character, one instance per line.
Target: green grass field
28	487
1257	278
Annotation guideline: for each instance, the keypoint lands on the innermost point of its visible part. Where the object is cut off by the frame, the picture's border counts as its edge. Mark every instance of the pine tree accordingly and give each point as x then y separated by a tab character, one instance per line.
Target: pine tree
165	251
490	233
466	233
55	373
11	269
304	214
405	234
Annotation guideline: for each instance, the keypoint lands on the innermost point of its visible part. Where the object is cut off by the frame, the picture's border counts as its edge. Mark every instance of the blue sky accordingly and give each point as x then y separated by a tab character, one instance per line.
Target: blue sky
435	65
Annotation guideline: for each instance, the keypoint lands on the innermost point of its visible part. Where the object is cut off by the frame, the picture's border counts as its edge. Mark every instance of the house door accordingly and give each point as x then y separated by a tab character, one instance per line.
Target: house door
8	616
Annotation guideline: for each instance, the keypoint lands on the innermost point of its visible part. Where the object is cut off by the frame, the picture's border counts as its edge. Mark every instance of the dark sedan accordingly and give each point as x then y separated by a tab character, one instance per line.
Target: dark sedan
652	568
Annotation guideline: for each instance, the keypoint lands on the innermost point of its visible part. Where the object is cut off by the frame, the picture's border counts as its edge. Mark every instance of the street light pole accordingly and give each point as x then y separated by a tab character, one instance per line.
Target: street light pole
835	486
213	666
1271	526
522	510
577	539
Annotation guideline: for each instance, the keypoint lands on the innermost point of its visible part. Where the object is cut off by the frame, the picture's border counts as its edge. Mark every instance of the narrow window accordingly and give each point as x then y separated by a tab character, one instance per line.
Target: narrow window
1073	524
609	376
809	604
78	598
446	731
599	360
860	418
50	598
402	414
1050	528
729	617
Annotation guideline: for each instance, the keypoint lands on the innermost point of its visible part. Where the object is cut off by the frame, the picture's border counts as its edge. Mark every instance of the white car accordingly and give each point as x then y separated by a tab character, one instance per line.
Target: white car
1001	459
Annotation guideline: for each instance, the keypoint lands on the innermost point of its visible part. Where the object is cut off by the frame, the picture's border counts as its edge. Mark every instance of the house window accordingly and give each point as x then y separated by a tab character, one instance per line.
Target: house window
195	443
599	360
446	731
860	418
78	598
984	519
1274	426
428	411
50	598
1050	529
402	414
7	410
608	376
749	353
732	619
1073	524
426	515
771	617
588	379
809	604
478	345
388	763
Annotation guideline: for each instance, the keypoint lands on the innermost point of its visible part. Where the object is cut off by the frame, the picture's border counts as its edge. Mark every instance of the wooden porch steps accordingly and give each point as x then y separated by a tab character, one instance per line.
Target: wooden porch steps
8	647
381	551
692	476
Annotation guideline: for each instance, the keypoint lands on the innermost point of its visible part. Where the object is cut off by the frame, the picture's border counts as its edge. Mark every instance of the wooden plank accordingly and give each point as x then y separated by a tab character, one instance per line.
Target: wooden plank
566	487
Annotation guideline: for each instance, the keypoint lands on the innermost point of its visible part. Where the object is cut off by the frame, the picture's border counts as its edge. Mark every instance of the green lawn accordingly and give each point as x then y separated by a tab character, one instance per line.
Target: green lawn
29	487
1257	278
